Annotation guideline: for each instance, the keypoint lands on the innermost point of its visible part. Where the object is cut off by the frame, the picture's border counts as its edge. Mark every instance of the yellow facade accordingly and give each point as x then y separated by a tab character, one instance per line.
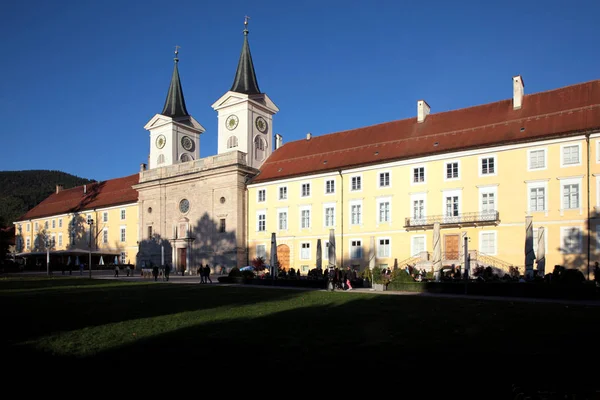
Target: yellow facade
66	233
547	180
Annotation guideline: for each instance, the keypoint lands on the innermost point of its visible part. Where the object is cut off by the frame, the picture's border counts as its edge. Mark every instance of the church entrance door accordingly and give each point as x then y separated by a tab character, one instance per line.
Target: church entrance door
181	259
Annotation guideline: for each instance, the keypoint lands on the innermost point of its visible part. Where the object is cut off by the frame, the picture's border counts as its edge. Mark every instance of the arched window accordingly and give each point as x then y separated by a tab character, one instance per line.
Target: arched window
185	157
232	142
161	159
259	148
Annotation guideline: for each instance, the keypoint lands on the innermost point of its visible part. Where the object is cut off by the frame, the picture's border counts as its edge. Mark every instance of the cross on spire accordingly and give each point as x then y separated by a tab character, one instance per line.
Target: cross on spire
246	18
176	53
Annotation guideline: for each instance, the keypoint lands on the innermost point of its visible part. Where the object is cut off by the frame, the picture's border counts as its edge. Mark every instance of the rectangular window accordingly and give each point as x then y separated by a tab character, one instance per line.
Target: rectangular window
329	216
487	242
27	227
122	214
356	249
488	166
488	202
383	250
262	222
262	195
537	159
123	236
261	251
35	227
418	209
418	245
537	198
105	236
149	231
570	196
60	240
53	223
356	183
283	193
123	258
305	189
570	155
452	170
222	225
356	214
451	206
60	223
570	240
27	243
329	186
46	225
419	175
384	179
305	251
105	216
384	211
305	216
283	220
326	251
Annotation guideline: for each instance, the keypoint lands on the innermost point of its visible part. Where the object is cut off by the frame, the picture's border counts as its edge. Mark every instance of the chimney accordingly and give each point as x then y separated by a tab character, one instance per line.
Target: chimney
59	188
278	141
142	167
84	189
423	110
308	136
518	91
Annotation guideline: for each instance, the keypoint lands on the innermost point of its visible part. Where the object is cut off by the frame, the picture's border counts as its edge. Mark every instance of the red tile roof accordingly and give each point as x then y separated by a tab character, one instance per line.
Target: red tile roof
564	111
100	194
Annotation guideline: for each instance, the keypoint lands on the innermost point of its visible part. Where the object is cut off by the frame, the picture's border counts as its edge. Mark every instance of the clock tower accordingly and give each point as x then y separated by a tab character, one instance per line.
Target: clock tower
245	115
174	134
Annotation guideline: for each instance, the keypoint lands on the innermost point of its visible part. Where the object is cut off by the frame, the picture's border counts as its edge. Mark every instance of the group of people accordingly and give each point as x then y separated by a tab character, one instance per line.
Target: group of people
204	272
339	279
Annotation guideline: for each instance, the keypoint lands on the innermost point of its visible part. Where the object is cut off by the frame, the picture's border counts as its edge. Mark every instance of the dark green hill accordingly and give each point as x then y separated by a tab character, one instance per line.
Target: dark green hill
20	191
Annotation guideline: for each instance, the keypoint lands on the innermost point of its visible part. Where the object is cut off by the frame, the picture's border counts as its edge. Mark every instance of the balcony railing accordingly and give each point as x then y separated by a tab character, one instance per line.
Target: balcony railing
464	219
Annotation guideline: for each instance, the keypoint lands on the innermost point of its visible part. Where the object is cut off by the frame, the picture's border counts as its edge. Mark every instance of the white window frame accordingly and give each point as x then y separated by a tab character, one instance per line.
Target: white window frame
457	162
480	165
105	236
413	249
452	193
305	251
60	222
562	149
36	227
123	257
27	244
264	195
301	209
389	185
564	233
53	224
46	225
262	252
361	216
105	216
417	197
359	179
325	207
412	175
571	181
27	227
325	250
123	234
302	189
287	219
529	151
487	190
60	240
380	201
260	213
537	184
279	190
123	214
325	187
495	235
378	246
351	247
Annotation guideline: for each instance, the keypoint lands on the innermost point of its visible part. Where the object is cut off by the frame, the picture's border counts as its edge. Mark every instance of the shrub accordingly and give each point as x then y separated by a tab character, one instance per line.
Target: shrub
378	276
235	272
400	276
258	263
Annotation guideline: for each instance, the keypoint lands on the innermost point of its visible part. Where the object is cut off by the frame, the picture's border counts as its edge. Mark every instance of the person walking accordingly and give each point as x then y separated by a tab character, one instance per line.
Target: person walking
201	273
207	274
167	271
116	271
597	273
348	277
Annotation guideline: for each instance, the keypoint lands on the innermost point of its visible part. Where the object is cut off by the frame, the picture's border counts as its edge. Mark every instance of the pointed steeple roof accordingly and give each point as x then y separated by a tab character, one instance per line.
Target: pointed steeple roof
175	103
245	77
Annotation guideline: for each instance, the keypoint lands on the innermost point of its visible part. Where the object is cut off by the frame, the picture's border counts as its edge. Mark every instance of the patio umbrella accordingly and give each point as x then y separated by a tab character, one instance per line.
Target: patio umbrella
116	260
529	254
319	255
541	251
77	261
274	263
101	261
69	260
372	254
331	253
437	251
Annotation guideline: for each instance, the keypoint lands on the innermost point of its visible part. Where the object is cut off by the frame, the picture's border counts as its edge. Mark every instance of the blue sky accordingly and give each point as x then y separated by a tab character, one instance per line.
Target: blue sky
80	79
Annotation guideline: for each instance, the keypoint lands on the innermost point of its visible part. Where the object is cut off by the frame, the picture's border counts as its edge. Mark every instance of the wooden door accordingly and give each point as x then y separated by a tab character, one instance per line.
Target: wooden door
181	259
283	256
451	247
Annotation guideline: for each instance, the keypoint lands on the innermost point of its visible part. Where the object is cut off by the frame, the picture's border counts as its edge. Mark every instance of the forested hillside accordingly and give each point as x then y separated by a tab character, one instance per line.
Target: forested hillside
20	191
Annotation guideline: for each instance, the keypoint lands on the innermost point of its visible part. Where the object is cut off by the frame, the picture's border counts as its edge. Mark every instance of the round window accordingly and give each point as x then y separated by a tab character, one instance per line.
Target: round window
184	206
222	200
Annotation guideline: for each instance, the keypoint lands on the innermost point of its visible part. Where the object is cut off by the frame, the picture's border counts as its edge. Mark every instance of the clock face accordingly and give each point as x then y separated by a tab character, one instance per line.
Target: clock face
184	206
187	143
232	122
161	140
261	124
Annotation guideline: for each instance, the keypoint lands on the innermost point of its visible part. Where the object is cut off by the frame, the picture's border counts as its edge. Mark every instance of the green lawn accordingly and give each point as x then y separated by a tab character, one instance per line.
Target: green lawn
82	322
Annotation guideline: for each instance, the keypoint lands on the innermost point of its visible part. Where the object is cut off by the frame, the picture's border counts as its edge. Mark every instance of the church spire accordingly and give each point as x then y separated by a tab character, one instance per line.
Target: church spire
245	78
175	103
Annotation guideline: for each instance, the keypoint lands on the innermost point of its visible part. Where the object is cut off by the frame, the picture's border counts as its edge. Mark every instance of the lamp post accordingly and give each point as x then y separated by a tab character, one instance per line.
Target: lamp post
90	222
